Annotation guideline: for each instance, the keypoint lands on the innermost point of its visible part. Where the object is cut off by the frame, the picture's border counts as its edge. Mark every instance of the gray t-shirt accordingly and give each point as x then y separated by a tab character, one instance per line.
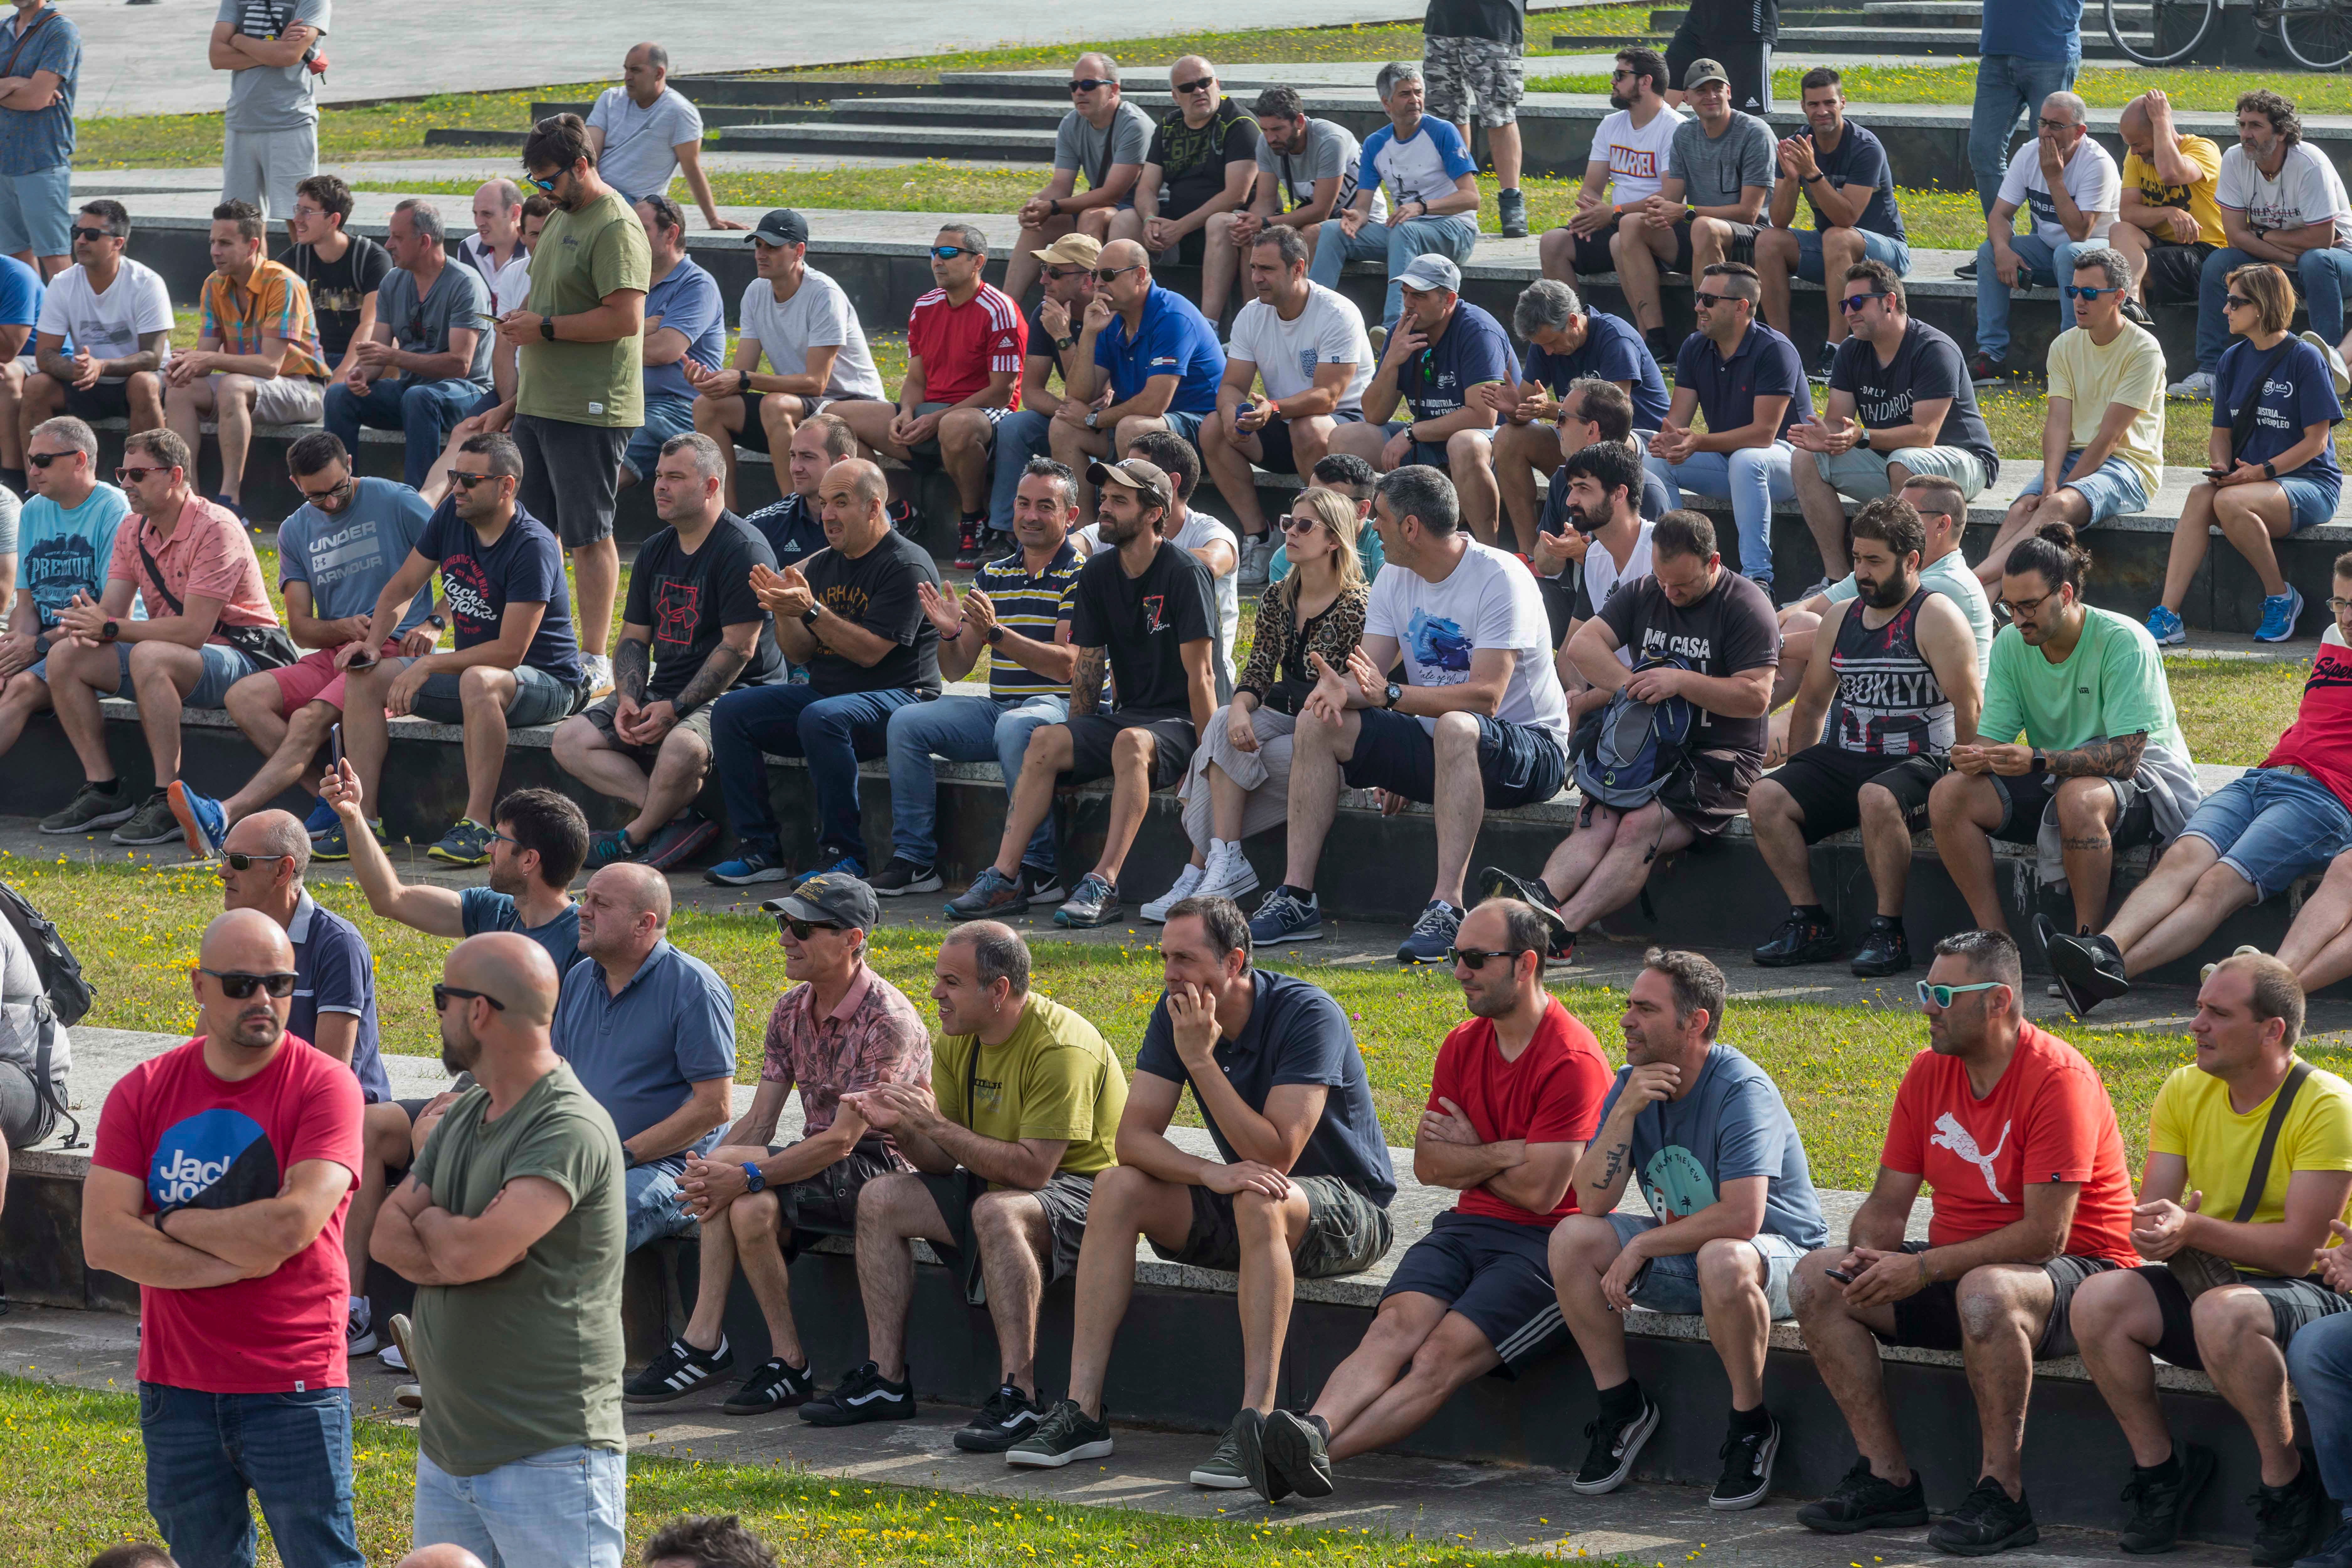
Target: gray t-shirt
640	144
1732	1123
1078	145
1712	169
346	558
459	299
1332	149
272	97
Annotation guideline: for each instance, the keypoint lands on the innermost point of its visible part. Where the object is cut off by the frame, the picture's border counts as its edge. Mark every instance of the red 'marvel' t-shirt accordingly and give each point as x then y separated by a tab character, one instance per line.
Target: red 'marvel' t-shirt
196	1141
960	344
2048	1119
1553	1094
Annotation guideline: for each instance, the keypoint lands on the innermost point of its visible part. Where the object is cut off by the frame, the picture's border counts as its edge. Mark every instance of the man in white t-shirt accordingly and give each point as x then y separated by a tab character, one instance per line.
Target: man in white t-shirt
495	248
1480	722
2283	201
1309	344
1629	152
2074	189
1603	506
645	130
117	314
802	321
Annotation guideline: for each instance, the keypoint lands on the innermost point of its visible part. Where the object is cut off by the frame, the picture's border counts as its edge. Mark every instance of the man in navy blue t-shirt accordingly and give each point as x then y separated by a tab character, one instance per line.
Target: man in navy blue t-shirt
1443	350
1842	170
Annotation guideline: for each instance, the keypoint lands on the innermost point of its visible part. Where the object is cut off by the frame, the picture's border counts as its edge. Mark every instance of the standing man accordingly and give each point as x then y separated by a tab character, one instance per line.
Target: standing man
41	70
1424	167
1103	137
1200	166
1841	171
686	322
1719	174
510	1222
426	362
581	361
2170	220
275	53
1475	47
218	1184
2071	185
343	271
117	313
1055	323
1740	31
1154	352
645	130
2026	50
1629	153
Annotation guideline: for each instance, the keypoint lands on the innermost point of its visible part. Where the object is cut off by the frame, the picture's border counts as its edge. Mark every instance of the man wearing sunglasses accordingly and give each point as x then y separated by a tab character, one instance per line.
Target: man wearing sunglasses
1055	321
1431	185
117	313
1440	352
2014	1133
67	534
218	1184
1200	165
1104	138
428	359
1147	359
2072	185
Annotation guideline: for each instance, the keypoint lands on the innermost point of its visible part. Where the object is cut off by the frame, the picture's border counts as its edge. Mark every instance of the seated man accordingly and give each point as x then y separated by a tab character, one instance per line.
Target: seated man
67	534
208	626
1841	171
1479	723
1001	1181
256	358
792	526
2169	221
1306	173
1900	404
342	270
2249	1164
1440	351
2284	819
2013	1130
965	343
513	661
2103	766
1515	1091
2104	414
693	630
1301	1192
1018	612
427	362
650	1031
840	1030
1628	164
1055	323
1592	414
117	314
1211	542
1155	352
1719	173
686	322
1748	383
802	322
1103	137
854	619
1732	1209
1720	624
1200	166
1899	674
1309	344
1431	183
2071	185
1566	343
1143	607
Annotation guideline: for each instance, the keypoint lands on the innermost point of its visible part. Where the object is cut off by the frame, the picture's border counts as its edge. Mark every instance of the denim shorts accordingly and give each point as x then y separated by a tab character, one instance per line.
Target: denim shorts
2115	491
224	668
1875	247
1670	1284
36	212
665	416
2308	502
2271	826
1518	765
538	698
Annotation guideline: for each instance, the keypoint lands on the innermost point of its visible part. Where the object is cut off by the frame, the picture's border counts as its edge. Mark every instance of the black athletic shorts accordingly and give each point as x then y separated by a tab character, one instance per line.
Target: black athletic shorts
2174	270
1930	1320
106	400
1064	1199
1091	735
1518	765
1274	441
1494	1273
2293	1303
1826	780
2028	798
1741	248
1747	61
1347	1233
826	1203
1592	253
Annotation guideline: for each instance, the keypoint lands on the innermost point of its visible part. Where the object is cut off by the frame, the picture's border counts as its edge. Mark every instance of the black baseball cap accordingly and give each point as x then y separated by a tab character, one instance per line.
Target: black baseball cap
831	897
782	227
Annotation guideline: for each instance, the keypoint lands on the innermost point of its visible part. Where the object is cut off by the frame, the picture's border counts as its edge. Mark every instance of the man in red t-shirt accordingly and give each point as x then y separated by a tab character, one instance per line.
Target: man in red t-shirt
966	343
1515	1092
218	1182
2014	1131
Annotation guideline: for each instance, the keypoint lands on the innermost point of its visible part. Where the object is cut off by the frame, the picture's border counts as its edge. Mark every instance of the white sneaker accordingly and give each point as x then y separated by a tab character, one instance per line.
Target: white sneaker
1229	875
1257	557
2198	384
390	1358
1188	882
600	673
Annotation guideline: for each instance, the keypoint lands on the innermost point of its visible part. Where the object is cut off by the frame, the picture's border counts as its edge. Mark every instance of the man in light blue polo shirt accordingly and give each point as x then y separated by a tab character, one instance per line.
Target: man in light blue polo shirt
685	319
1158	355
651	1033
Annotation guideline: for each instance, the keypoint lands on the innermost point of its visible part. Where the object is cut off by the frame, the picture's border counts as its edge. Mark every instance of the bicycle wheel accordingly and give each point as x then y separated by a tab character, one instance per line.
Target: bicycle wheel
2316	33
2173	27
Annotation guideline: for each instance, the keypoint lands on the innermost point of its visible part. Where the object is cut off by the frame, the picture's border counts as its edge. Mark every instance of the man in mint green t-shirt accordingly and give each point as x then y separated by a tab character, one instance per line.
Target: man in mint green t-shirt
2078	752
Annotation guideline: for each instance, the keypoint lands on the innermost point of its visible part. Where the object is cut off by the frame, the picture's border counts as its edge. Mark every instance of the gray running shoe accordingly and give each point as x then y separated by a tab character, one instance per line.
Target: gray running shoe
91	810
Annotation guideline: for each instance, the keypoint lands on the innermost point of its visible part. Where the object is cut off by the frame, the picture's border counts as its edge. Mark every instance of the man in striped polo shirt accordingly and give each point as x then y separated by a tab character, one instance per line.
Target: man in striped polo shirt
1018	612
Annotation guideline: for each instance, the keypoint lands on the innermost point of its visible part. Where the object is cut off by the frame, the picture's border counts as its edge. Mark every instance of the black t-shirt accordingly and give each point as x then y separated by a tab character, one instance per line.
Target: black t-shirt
1730	630
688	600
1734	20
1192	163
1041	341
1504	21
1144	622
341	288
877	591
1927	366
792	527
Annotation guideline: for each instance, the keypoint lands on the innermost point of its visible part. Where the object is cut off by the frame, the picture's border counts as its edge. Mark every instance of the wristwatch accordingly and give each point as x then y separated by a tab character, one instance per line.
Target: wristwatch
1816	175
437	621
1065	343
110	631
1092	416
2040	761
808	616
1394	695
754	1179
995	635
547	328
2270	470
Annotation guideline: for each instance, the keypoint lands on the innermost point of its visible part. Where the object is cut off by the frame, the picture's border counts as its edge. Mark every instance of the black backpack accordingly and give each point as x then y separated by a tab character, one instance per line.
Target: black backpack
60	972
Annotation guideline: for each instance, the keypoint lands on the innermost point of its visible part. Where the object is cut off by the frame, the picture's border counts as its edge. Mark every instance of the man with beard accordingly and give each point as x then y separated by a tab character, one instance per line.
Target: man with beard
1055	323
1903	666
1601	496
511	1226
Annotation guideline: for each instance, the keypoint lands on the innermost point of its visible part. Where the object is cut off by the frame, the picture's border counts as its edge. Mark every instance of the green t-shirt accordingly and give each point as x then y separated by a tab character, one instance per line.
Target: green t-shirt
580	258
2112	684
1054	1078
530	1358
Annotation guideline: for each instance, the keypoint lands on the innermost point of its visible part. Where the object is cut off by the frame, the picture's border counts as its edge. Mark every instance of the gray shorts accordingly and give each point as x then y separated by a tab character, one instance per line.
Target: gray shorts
1670	1284
1861	475
928	451
538	698
1347	1233
1488	69
570	474
697	723
264	166
1064	1199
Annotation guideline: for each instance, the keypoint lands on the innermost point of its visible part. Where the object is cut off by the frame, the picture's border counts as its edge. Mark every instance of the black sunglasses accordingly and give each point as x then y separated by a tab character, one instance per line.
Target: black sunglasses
237	986
801	929
1112	274
2234	301
43	459
135	476
1701	296
1197	84
1478	958
1854	302
1079	84
441	995
93	235
237	860
465	481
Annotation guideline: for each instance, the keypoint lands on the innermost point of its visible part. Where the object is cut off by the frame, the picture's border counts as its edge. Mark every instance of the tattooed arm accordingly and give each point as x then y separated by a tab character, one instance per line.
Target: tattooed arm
633	663
2115	758
1085	682
737	644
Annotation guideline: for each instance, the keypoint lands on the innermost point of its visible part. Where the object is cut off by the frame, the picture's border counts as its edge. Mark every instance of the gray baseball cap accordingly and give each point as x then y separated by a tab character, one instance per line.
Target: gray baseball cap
1704	70
1431	272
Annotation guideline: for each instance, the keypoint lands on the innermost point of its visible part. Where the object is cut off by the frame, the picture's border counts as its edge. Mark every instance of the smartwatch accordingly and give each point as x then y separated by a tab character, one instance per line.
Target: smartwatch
755	1180
1816	175
110	631
547	328
808	616
437	621
2040	761
995	635
2270	470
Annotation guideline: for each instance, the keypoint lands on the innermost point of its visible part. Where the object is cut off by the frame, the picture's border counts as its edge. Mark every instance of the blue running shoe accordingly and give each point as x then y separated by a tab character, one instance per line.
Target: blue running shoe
1281	917
2165	625
322	819
847	865
2280	611
202	821
746	869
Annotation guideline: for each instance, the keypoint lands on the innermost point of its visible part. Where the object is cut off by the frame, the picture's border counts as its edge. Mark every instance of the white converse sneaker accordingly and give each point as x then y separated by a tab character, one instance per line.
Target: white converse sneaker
1229	874
1188	882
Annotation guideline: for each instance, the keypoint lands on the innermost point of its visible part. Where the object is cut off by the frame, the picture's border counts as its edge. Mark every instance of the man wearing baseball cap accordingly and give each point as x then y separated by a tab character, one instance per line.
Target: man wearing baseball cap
1055	321
804	324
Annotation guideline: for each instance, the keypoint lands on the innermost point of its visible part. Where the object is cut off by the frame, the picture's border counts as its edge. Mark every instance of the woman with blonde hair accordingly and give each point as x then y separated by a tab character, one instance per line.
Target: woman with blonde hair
1239	783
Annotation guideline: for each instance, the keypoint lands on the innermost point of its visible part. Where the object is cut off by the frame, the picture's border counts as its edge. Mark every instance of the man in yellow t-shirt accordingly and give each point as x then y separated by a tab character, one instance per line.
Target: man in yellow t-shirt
2203	1139
2170	223
1021	1113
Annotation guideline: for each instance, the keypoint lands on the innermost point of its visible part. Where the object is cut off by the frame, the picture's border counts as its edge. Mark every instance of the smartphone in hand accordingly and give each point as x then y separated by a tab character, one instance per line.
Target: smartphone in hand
335	747
1839	1275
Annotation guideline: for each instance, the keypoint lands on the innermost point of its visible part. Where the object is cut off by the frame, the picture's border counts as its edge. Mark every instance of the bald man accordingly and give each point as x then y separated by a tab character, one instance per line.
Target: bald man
218	1182
852	614
645	130
1154	351
2169	221
1202	161
651	1033
511	1223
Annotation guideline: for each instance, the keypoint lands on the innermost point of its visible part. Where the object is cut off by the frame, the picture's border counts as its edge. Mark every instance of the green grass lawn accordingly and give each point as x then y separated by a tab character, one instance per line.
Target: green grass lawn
2102	86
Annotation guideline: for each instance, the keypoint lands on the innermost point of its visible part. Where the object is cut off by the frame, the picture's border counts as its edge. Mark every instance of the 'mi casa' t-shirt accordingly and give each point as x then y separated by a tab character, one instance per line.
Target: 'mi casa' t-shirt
524	565
1731	630
689	599
1732	1124
1488	600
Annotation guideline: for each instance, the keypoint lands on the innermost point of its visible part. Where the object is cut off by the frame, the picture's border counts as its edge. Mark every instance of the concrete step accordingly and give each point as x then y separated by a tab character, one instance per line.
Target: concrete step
1011	146
713	114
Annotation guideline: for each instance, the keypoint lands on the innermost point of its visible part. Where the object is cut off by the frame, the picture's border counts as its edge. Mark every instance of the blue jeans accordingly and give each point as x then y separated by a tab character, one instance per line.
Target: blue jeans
655	1206
1396	244
2008	88
1752	478
666	415
563	1509
2320	274
832	733
425	411
2042	266
961	730
1020	436
2319	1362
292	1451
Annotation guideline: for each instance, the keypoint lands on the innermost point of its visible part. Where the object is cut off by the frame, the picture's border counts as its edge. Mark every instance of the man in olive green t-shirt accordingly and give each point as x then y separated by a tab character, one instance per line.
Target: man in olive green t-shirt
1022	1109
513	1224
579	359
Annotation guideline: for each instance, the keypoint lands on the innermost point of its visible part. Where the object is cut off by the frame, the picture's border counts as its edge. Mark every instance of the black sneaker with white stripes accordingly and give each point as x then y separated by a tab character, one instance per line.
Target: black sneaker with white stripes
863	1395
1004	1420
1615	1445
773	1384
679	1371
1747	1455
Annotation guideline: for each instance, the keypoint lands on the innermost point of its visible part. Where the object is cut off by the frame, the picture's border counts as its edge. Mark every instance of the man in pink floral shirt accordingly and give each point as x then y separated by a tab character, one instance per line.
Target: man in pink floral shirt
842	1029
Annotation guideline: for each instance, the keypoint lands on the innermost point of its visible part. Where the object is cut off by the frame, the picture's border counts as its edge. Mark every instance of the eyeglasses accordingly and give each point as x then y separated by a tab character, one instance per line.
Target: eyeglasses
2074	292
342	486
238	861
1940	996
2049	124
1854	302
1478	958
1301	524
466	481
1197	84
498	837
801	930
1112	274
441	995
92	235
2338	605
137	476
949	252
237	986
2016	607
43	459
1079	84
2236	301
